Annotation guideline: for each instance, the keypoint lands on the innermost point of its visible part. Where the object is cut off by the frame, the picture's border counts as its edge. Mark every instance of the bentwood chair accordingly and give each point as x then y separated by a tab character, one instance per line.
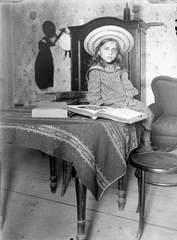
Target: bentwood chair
1	217
151	162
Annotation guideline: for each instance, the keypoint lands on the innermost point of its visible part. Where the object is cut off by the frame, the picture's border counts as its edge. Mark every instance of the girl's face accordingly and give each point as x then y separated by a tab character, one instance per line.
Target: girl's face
108	51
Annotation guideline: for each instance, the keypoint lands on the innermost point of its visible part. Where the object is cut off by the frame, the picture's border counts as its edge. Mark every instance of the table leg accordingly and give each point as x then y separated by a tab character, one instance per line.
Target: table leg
81	192
53	177
121	194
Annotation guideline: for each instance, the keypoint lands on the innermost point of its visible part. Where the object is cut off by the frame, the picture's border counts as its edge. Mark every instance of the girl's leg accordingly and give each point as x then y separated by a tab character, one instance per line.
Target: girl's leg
146	135
145	144
146	139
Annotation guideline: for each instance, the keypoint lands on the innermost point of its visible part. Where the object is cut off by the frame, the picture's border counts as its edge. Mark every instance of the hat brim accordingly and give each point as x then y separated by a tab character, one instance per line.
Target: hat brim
122	36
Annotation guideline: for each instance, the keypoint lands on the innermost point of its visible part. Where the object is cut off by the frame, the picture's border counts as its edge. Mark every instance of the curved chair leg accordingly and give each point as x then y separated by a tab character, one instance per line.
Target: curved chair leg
142	204
137	174
1	217
121	194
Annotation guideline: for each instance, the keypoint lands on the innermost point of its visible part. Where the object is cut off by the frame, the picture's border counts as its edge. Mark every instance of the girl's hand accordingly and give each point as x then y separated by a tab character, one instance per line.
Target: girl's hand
130	102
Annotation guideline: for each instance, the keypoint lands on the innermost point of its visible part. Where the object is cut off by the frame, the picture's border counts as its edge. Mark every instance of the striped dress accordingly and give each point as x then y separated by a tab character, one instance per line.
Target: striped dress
111	87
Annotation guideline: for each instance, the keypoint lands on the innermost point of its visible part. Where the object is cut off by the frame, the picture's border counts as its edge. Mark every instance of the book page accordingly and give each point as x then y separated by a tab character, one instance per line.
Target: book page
117	114
93	107
87	110
123	113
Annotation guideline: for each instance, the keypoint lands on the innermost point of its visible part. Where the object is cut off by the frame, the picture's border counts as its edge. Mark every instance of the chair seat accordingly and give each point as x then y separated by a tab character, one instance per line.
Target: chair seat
155	161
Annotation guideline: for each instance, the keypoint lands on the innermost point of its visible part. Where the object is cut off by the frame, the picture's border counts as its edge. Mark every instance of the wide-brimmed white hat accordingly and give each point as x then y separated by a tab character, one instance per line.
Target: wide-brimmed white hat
123	37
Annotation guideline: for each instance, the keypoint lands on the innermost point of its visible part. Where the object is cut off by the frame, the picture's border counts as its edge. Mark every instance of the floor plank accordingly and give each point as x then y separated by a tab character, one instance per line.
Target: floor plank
32	212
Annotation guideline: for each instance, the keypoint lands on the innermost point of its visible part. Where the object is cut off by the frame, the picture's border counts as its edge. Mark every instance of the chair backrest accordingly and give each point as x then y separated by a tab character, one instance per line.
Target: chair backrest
165	93
134	61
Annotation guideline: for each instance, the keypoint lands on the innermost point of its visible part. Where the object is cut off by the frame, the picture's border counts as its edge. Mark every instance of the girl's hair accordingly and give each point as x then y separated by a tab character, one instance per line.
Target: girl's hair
96	59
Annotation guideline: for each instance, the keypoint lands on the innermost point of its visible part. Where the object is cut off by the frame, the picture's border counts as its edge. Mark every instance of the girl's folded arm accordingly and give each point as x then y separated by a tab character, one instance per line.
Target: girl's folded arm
94	88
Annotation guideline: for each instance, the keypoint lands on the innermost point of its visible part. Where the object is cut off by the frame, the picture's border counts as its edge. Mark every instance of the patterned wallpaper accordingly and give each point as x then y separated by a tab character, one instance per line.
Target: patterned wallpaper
3	84
161	42
29	16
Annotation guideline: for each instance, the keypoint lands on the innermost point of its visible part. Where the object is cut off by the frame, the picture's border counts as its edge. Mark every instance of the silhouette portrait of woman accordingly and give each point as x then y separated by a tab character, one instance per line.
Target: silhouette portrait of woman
44	67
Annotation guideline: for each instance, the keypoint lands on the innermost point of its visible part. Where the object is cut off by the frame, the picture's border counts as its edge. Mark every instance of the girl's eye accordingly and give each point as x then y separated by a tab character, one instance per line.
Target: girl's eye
109	49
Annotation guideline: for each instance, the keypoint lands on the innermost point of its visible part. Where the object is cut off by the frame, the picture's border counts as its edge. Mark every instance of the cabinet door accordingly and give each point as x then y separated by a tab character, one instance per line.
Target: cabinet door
137	61
80	58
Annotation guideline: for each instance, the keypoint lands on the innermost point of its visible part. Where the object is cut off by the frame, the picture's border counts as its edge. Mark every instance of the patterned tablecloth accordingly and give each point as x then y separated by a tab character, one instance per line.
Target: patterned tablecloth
98	148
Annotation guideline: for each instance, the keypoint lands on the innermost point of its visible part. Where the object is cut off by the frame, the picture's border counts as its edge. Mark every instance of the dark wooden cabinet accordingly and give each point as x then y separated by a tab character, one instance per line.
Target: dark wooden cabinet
135	61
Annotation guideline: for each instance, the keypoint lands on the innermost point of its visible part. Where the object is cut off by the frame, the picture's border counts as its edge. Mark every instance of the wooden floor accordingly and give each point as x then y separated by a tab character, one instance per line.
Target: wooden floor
32	212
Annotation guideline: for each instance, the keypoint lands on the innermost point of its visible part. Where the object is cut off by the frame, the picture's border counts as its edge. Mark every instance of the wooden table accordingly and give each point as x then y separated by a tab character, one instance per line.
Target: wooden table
98	149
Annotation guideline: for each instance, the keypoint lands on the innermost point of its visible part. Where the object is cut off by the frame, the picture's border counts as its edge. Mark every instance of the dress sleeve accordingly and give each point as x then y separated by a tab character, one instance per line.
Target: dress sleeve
130	90
94	88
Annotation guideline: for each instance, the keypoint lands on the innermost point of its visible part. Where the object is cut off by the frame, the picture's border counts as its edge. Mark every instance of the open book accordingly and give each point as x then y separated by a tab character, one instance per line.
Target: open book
124	115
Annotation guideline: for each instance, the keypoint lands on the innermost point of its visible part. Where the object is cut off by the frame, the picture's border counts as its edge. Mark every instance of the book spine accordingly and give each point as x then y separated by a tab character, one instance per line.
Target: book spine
69	95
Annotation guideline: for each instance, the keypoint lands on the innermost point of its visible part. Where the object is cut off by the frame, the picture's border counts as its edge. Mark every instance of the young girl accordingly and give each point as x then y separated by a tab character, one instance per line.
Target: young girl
108	82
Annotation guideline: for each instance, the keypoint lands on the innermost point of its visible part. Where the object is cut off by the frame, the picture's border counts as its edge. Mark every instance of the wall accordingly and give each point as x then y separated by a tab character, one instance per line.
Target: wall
28	17
6	57
161	42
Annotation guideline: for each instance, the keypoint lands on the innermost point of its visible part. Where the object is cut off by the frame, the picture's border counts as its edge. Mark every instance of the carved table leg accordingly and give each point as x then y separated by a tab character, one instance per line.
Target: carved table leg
53	177
81	192
121	194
